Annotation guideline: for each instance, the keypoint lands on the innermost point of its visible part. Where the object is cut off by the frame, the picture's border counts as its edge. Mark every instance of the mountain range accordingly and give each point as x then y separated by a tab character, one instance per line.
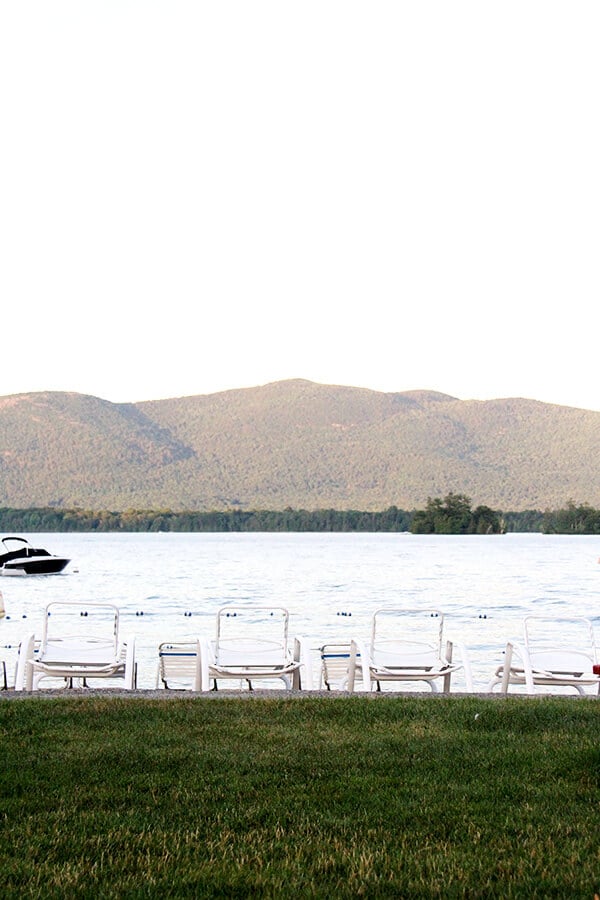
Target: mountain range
294	444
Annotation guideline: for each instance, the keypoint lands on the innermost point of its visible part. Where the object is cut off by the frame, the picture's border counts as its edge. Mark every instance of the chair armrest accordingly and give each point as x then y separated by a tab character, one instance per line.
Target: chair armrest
358	648
466	663
520	650
206	656
24	672
302	654
130	665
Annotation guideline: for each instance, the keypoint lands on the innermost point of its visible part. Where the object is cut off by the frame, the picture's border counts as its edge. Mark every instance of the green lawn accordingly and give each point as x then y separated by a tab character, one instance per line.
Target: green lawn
300	797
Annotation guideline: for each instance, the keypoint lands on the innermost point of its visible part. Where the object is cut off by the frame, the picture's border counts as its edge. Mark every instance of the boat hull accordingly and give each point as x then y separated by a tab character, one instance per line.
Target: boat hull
46	565
20	558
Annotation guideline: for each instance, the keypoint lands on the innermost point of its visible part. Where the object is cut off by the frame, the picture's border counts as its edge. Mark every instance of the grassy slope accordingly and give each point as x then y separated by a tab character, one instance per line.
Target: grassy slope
312	797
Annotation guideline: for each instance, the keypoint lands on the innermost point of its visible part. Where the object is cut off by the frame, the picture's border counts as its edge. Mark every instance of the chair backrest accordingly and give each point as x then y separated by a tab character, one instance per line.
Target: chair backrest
560	644
252	636
179	663
72	631
335	659
406	638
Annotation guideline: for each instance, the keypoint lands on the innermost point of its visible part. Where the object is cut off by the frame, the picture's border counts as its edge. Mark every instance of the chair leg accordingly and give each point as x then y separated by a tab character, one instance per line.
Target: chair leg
448	677
28	676
296	677
352	667
506	671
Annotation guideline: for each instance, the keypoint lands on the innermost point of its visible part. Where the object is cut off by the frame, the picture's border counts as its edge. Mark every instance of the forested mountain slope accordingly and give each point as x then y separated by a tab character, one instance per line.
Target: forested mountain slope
294	443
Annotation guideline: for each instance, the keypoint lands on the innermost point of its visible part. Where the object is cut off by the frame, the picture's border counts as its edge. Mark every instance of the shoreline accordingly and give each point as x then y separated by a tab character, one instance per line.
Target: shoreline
266	694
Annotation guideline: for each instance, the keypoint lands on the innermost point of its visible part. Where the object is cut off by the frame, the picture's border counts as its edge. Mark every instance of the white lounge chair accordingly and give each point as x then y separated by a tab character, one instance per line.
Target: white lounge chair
406	646
179	666
80	643
335	660
252	644
539	662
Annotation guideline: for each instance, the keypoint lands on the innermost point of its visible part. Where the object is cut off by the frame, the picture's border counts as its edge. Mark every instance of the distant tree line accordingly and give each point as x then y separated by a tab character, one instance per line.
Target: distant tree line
64	520
574	519
450	515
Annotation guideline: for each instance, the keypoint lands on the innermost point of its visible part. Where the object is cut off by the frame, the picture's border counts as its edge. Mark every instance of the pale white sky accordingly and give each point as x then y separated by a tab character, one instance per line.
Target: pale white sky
197	196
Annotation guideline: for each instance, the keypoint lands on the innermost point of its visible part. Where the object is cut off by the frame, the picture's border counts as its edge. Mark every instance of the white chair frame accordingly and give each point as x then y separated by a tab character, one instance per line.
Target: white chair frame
247	659
179	665
527	666
406	659
80	657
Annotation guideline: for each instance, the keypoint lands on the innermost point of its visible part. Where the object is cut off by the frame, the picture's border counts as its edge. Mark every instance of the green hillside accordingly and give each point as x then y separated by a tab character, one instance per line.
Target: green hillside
294	443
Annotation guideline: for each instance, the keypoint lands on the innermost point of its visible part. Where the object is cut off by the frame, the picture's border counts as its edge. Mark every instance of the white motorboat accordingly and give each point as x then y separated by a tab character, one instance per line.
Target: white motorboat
21	558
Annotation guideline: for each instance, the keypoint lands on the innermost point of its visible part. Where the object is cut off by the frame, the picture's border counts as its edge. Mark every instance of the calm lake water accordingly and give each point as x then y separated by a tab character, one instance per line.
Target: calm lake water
170	586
